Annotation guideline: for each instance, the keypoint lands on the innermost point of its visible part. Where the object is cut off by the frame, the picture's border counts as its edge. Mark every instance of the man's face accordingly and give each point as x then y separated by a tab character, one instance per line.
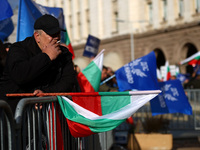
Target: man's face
44	39
103	74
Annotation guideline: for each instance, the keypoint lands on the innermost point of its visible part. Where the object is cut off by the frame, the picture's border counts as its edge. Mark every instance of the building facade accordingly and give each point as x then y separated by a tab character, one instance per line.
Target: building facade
129	29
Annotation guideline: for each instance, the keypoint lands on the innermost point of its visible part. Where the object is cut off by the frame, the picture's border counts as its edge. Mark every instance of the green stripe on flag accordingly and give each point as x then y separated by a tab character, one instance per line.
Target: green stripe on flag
67	38
100	125
89	72
114	93
112	103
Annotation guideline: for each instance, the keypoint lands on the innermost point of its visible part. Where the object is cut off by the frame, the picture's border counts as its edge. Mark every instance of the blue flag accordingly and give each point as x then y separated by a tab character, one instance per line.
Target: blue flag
91	46
183	77
6	10
139	74
171	100
29	11
6	24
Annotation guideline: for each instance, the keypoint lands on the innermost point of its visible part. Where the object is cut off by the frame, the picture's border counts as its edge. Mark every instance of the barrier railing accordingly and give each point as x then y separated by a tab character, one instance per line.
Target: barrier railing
39	124
7	130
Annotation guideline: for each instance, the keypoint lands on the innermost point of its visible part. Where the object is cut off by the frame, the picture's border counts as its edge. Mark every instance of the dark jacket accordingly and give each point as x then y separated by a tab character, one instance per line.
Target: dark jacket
28	69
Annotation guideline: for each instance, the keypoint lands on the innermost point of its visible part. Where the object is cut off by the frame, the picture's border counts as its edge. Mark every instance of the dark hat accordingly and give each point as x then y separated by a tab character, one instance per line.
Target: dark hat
48	24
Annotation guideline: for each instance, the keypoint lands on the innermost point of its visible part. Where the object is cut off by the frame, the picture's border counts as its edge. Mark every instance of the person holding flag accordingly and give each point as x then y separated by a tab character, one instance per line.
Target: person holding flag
38	63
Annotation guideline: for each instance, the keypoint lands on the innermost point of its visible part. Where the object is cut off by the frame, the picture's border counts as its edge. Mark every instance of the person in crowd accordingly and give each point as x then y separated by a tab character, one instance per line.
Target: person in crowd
38	64
77	69
106	87
76	86
7	46
112	82
194	82
3	55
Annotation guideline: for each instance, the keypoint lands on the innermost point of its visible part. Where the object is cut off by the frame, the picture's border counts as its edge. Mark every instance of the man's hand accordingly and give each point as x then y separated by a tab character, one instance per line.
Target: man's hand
36	92
52	49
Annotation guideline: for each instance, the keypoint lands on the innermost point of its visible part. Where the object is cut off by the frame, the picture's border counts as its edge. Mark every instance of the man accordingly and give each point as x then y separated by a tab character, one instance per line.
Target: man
38	64
104	87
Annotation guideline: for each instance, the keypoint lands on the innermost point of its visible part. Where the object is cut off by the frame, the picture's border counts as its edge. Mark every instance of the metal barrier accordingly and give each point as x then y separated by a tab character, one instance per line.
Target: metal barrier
43	126
194	98
177	121
38	127
40	124
7	130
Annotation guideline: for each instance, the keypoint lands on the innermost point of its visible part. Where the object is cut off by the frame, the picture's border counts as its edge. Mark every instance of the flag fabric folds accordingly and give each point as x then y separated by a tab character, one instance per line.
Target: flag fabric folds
68	43
183	77
171	100
139	74
89	79
6	24
192	60
101	111
28	13
6	10
167	74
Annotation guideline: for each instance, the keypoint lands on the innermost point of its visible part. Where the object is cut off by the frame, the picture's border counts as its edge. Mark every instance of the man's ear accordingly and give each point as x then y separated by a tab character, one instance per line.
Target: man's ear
37	37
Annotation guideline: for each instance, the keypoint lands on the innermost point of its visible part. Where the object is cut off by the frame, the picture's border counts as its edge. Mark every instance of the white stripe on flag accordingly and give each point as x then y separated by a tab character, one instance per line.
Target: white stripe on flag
137	101
190	58
99	61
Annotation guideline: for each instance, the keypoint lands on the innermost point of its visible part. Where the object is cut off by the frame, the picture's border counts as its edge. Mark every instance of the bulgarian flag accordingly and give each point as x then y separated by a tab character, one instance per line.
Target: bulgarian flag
90	113
192	60
69	46
167	75
89	79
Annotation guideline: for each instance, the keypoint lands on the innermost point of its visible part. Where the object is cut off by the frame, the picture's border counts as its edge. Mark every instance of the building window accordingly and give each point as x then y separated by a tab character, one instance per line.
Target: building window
181	8
79	25
70	7
197	6
164	10
70	33
114	16
150	12
87	21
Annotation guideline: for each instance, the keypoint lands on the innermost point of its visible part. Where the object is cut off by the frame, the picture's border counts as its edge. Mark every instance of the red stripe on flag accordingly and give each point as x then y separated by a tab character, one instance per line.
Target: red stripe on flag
69	46
194	62
84	83
78	130
168	76
91	103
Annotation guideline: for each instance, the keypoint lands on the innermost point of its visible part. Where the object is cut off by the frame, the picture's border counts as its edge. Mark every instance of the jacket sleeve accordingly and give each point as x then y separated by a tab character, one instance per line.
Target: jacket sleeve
67	80
23	67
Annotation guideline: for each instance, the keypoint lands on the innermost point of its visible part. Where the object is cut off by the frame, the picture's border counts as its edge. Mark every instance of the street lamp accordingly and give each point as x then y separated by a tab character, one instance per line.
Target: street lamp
131	34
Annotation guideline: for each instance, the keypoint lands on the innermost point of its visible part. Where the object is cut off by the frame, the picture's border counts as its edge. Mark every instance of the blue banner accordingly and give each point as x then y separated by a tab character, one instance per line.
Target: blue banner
171	100
6	10
91	47
29	11
183	77
6	28
6	24
139	74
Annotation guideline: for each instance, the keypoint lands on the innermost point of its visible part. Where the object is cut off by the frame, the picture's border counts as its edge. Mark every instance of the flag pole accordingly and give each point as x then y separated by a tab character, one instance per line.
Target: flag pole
83	93
100	53
106	80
